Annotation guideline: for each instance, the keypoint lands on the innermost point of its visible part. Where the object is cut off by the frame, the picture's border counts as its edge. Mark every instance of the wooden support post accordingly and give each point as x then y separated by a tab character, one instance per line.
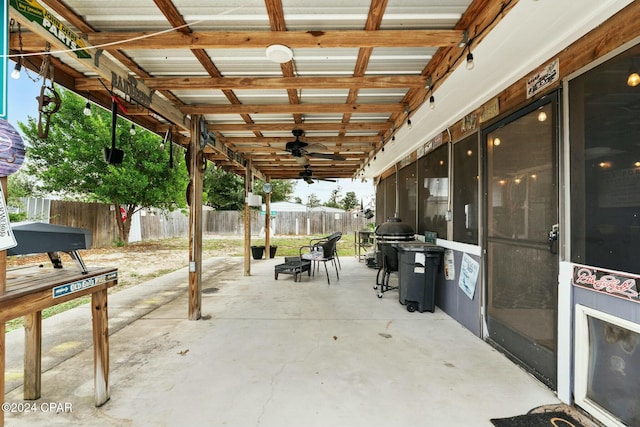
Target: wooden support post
267	222
3	287
100	346
32	355
195	222
247	221
2	367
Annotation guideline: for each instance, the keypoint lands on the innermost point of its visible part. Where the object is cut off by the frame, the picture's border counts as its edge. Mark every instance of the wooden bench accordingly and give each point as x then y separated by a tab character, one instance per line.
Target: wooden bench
28	291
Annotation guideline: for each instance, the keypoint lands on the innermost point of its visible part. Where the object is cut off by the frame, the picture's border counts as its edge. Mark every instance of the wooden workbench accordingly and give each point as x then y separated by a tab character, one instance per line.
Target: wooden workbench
28	291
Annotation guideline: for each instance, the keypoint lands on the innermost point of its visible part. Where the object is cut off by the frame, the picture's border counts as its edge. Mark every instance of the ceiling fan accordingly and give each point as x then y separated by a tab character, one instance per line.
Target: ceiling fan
301	150
307	176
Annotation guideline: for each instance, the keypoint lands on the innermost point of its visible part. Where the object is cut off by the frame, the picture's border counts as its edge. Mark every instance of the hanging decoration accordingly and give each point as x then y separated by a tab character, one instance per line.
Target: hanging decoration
49	100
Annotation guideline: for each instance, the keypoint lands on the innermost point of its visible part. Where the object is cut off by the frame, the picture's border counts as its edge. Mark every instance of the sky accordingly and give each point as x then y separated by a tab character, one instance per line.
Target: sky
22	103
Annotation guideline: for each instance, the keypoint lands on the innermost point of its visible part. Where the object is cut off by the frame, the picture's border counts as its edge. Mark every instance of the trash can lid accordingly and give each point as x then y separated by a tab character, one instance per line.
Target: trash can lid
419	247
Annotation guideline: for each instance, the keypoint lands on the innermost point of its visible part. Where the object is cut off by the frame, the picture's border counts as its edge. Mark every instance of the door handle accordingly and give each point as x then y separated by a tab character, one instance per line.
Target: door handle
553	238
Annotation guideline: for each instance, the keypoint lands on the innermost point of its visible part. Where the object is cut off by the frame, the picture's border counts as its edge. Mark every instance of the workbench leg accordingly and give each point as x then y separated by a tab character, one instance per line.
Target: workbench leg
32	355
100	346
2	367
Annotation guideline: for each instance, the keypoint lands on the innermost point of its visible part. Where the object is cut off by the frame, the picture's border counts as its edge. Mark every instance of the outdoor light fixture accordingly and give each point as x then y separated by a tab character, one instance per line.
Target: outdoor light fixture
87	109
633	80
279	53
470	63
465	39
432	102
15	74
542	116
132	131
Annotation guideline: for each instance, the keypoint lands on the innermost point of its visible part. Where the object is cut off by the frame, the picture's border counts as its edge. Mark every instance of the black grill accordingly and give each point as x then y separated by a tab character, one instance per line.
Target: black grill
388	233
38	237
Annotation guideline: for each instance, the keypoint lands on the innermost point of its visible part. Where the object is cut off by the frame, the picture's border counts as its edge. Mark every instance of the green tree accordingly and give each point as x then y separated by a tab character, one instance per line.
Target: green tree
350	201
19	185
282	189
224	190
71	162
313	201
297	200
334	199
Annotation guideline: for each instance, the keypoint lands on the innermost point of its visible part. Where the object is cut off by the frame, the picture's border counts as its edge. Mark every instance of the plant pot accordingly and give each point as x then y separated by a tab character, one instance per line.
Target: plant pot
272	251
257	252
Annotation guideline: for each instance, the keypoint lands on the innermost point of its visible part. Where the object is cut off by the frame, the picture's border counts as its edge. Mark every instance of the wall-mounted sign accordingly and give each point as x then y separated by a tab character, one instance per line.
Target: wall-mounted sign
469	122
35	12
430	145
543	78
489	110
469	270
606	282
7	239
129	85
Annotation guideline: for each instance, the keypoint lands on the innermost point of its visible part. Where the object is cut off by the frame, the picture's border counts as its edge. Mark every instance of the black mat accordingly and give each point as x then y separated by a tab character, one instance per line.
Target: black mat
544	419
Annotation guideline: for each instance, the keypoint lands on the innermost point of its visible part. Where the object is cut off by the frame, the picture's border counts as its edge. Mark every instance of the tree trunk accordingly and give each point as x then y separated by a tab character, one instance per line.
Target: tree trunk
124	226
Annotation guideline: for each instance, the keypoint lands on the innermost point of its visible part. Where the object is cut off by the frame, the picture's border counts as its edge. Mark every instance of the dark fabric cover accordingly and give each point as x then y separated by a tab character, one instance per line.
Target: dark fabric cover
39	237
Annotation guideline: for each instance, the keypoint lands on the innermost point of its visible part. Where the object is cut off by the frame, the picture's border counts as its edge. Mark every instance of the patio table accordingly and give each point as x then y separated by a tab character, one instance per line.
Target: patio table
295	266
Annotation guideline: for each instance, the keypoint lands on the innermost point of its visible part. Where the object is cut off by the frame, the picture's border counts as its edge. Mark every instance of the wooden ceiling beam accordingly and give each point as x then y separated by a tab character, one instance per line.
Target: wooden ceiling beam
261	39
293	39
324	140
292	109
253	83
288	127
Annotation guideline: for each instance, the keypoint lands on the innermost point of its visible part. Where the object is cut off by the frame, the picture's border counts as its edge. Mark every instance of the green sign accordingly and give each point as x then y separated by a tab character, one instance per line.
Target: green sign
36	13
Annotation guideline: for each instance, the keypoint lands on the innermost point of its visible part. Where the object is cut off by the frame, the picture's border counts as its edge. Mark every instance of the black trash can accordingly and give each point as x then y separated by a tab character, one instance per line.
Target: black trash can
418	267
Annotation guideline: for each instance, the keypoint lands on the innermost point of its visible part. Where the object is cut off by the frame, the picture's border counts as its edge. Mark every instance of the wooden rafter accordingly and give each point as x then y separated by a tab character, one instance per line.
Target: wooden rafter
249	129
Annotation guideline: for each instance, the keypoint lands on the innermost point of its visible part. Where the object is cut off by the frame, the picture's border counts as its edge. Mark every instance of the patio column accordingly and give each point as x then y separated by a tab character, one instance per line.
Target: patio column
3	286
195	166
267	221
247	220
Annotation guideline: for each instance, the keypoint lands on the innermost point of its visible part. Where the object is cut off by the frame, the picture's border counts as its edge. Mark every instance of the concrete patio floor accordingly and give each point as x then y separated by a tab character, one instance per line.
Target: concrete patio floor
272	353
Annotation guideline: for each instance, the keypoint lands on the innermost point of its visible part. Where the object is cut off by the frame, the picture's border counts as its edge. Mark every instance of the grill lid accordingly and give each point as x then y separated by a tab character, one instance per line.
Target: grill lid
394	227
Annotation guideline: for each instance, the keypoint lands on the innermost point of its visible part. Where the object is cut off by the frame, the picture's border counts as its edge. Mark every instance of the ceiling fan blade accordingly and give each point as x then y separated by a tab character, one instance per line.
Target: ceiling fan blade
315	147
309	180
327	156
326	179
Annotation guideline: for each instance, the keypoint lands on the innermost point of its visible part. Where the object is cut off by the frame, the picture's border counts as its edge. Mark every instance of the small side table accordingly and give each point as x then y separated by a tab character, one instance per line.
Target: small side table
295	266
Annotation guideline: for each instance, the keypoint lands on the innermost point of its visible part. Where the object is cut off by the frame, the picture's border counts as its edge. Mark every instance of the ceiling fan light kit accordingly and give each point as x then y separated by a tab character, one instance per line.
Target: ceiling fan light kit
279	53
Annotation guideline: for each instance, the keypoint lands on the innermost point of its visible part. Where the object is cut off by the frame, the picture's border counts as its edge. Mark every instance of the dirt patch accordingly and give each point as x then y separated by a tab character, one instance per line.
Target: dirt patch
141	261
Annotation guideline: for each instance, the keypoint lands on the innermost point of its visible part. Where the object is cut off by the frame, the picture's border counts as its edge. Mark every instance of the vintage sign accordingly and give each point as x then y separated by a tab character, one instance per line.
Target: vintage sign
11	149
7	239
489	110
469	122
543	78
129	85
35	12
80	285
430	145
606	282
617	188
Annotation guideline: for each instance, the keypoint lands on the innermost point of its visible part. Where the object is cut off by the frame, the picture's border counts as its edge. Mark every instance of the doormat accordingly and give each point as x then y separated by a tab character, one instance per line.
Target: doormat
544	419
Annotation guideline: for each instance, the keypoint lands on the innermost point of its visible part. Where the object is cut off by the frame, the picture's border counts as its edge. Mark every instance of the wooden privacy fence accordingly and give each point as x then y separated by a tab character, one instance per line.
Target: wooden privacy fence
155	225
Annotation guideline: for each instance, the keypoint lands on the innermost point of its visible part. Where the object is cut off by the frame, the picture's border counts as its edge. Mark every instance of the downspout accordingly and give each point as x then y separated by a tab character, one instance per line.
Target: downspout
396	214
